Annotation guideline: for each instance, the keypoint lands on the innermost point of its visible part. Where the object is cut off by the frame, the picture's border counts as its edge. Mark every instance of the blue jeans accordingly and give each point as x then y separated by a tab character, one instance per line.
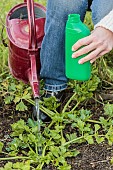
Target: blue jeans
53	45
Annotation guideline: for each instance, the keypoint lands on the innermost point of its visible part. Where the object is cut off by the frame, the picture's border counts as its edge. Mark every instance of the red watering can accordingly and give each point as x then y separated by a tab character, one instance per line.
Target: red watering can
25	29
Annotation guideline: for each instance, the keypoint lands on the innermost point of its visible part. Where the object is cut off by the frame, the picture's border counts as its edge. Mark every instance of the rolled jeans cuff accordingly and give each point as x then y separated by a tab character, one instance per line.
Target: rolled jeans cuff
55	88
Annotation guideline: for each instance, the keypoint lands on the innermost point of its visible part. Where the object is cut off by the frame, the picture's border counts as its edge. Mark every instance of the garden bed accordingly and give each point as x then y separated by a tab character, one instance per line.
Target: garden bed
91	156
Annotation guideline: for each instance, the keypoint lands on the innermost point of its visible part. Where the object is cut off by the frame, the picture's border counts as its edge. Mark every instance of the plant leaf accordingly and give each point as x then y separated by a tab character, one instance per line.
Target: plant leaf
21	106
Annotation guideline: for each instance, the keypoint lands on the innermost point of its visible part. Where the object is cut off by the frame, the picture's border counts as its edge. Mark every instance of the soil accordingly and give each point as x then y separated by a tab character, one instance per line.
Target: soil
91	157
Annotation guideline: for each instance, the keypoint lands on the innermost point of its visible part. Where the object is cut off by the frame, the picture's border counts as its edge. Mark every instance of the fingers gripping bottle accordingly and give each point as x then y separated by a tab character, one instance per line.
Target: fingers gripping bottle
75	30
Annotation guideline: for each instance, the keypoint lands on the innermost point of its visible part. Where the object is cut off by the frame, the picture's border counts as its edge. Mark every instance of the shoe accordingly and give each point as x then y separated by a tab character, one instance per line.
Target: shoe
60	96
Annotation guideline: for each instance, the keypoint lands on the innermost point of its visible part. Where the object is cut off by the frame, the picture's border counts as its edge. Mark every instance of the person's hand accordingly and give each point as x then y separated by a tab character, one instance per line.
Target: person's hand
96	45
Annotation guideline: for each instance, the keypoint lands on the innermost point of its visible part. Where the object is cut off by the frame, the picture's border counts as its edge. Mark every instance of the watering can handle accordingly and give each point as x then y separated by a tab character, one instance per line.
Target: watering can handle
32	26
32	74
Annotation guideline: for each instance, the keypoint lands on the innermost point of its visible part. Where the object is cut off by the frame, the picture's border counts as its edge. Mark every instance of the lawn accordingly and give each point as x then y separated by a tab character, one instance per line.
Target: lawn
79	137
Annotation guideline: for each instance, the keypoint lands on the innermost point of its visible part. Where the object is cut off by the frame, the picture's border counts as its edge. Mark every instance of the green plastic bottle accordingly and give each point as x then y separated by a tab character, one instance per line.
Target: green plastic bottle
75	30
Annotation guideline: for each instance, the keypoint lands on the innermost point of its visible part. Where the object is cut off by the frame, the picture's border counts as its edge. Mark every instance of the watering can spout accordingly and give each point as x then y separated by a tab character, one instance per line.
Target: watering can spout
33	76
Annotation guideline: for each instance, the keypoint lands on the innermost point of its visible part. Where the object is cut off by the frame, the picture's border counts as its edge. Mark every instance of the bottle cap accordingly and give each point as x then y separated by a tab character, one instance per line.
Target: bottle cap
74	17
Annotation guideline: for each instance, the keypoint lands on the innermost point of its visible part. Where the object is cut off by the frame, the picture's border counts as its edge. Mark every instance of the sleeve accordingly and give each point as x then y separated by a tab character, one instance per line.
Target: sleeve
106	22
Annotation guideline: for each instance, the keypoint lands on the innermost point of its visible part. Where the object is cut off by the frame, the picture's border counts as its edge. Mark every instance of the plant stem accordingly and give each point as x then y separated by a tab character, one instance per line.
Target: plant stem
30	101
16	157
43	154
3	73
75	107
67	104
97	101
71	141
36	148
108	82
93	121
4	153
51	124
81	137
42	108
47	111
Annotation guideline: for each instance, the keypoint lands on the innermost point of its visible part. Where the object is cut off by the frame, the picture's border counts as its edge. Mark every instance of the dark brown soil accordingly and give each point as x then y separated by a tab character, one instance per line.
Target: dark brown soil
91	157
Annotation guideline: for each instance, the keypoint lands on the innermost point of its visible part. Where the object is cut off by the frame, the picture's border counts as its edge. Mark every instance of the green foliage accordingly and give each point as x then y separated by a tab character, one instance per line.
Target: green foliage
51	103
55	145
108	110
11	92
54	142
17	165
26	137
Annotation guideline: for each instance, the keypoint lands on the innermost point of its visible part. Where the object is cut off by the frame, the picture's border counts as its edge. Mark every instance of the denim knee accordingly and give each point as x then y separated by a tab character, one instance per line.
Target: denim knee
61	8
